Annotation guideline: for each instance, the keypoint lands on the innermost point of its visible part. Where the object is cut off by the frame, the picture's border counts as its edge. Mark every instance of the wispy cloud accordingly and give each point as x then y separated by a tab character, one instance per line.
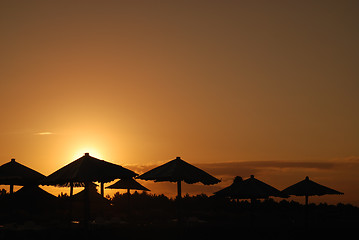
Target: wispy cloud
340	174
44	133
250	167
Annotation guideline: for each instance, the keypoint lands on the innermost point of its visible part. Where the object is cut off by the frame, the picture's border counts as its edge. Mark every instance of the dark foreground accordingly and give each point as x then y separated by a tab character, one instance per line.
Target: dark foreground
143	216
200	232
205	231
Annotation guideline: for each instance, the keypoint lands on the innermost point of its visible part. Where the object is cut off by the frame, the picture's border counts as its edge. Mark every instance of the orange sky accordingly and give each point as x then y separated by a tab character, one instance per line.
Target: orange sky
215	82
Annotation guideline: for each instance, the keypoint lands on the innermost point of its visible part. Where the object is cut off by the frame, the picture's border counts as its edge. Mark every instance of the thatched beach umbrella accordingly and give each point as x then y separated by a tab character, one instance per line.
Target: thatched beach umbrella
94	196
14	173
308	188
34	193
31	200
32	196
91	201
232	191
88	169
128	184
250	188
177	171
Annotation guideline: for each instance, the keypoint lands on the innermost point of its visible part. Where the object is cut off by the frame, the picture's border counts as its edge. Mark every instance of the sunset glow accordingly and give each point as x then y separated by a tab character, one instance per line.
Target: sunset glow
234	87
91	151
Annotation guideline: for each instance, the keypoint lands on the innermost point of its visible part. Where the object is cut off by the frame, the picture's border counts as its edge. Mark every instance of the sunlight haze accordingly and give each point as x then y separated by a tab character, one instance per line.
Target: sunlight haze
226	85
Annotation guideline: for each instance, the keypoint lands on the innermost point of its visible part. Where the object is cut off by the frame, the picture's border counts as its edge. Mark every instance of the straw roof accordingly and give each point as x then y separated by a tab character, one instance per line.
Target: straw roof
14	173
250	188
179	170
88	169
33	193
307	187
232	190
128	184
94	197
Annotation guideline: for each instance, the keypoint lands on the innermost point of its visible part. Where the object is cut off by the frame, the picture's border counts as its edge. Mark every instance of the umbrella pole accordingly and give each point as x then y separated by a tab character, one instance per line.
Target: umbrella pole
306	200
11	189
71	199
179	190
71	189
179	198
102	189
306	212
128	200
87	205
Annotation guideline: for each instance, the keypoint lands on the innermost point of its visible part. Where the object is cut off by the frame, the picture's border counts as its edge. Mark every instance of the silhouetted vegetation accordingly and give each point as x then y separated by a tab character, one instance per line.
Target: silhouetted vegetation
141	212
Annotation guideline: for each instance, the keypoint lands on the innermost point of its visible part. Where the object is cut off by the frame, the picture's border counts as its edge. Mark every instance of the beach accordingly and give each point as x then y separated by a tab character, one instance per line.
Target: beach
157	217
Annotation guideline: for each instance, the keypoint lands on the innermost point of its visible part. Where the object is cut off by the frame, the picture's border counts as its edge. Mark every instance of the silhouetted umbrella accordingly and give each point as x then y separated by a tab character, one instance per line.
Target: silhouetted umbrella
32	199
250	188
178	170
94	197
88	169
308	188
33	196
14	173
233	190
128	184
92	201
34	193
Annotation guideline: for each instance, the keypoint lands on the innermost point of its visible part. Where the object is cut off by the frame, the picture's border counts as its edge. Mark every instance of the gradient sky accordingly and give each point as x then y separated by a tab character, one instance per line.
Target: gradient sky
271	83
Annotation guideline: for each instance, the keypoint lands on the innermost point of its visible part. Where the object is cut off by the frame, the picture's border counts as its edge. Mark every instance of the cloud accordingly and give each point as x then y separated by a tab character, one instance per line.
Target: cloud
349	159
340	174
44	133
138	168
246	168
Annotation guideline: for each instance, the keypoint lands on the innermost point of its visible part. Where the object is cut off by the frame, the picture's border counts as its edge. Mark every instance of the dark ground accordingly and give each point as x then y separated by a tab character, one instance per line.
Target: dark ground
144	216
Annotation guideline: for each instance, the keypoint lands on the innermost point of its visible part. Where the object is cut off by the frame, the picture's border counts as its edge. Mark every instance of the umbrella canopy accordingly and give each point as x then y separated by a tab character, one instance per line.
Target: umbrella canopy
88	169
89	200
308	188
128	184
34	200
179	170
14	173
94	197
233	190
34	194
250	188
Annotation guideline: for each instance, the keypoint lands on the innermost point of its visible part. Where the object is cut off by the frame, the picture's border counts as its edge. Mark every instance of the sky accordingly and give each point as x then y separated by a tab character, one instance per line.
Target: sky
236	87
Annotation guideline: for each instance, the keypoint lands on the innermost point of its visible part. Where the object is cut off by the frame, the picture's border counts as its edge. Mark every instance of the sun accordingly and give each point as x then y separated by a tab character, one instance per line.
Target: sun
94	152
